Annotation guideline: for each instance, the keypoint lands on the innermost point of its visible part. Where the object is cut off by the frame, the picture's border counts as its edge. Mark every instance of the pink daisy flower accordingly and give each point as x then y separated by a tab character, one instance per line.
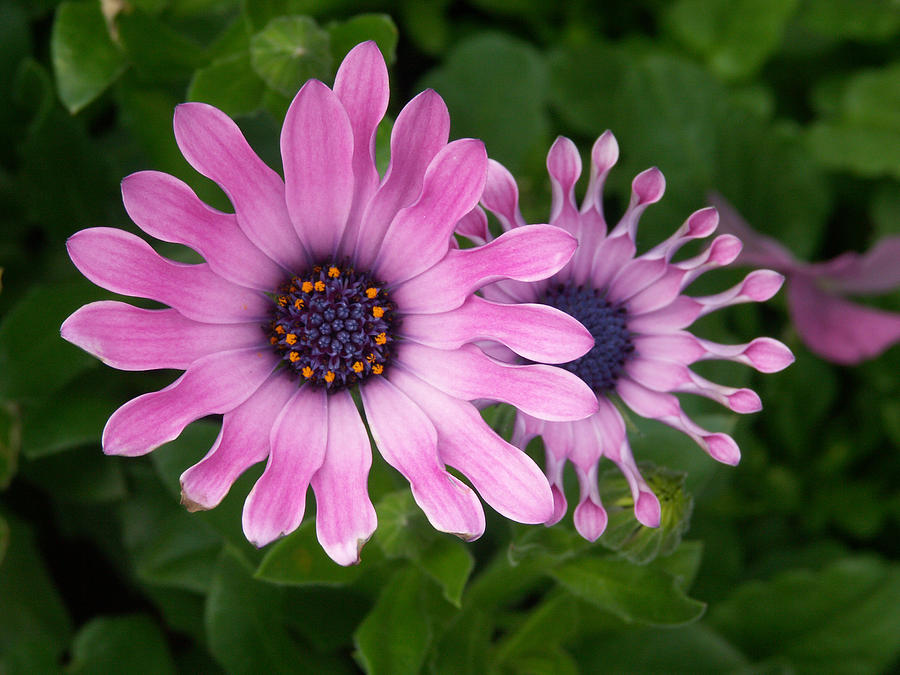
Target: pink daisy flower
318	285
634	307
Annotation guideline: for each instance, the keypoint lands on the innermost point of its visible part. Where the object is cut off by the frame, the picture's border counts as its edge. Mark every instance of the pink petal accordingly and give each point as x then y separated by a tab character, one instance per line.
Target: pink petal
501	196
764	354
724	250
214	384
590	516
474	227
317	152
276	503
345	517
214	145
610	256
604	155
537	332
361	84
758	286
524	254
546	392
129	338
876	271
665	408
419	235
564	167
759	250
634	276
164	207
837	329
123	263
646	188
504	476
699	225
242	442
681	313
420	131
407	440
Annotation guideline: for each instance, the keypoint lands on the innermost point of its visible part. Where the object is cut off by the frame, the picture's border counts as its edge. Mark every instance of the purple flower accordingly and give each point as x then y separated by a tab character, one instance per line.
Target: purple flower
635	309
834	328
319	284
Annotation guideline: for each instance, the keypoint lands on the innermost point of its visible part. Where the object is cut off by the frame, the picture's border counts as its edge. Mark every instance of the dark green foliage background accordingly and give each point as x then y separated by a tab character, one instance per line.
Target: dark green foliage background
790	108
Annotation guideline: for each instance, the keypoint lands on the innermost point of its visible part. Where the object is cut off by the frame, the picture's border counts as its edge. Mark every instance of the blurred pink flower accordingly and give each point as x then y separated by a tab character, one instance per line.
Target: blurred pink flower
634	307
318	284
831	326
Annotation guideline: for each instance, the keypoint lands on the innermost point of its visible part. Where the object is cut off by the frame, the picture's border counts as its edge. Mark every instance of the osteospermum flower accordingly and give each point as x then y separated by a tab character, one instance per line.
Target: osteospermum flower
317	285
635	309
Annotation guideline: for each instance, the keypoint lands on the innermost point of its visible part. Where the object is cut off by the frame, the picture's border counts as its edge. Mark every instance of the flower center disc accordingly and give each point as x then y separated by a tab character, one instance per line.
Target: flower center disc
600	367
332	326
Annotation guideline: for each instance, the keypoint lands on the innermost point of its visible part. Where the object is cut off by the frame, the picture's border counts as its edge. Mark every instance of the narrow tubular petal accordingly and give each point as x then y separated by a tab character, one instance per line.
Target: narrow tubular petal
537	332
317	152
419	235
759	249
590	517
345	517
681	313
604	155
165	208
564	167
130	338
758	286
361	85
646	188
664	376
214	145
665	408
123	263
276	503
420	131
504	476
501	196
723	251
214	384
699	225
837	329
242	442
524	254
407	440
546	392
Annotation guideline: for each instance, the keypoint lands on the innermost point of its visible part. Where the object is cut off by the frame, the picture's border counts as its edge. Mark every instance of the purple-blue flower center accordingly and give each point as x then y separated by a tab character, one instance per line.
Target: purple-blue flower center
599	368
332	327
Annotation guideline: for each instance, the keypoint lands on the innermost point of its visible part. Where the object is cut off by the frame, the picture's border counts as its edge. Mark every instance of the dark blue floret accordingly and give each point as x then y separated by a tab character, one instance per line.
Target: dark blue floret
599	368
333	326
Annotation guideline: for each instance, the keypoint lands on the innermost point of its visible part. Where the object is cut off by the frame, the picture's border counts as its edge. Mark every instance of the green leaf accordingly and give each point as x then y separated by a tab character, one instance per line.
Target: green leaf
635	594
248	625
298	560
231	84
34	625
82	475
121	644
4	538
844	619
495	87
75	417
734	36
158	52
34	359
546	626
625	535
404	533
289	51
378	27
10	442
395	636
871	21
85	60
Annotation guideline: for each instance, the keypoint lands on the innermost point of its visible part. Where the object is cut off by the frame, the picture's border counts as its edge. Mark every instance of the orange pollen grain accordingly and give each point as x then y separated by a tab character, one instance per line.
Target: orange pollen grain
290	338
320	286
371	292
329	376
298	303
358	367
306	286
370	357
279	330
307	372
378	312
381	338
378	369
334	272
294	357
282	300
